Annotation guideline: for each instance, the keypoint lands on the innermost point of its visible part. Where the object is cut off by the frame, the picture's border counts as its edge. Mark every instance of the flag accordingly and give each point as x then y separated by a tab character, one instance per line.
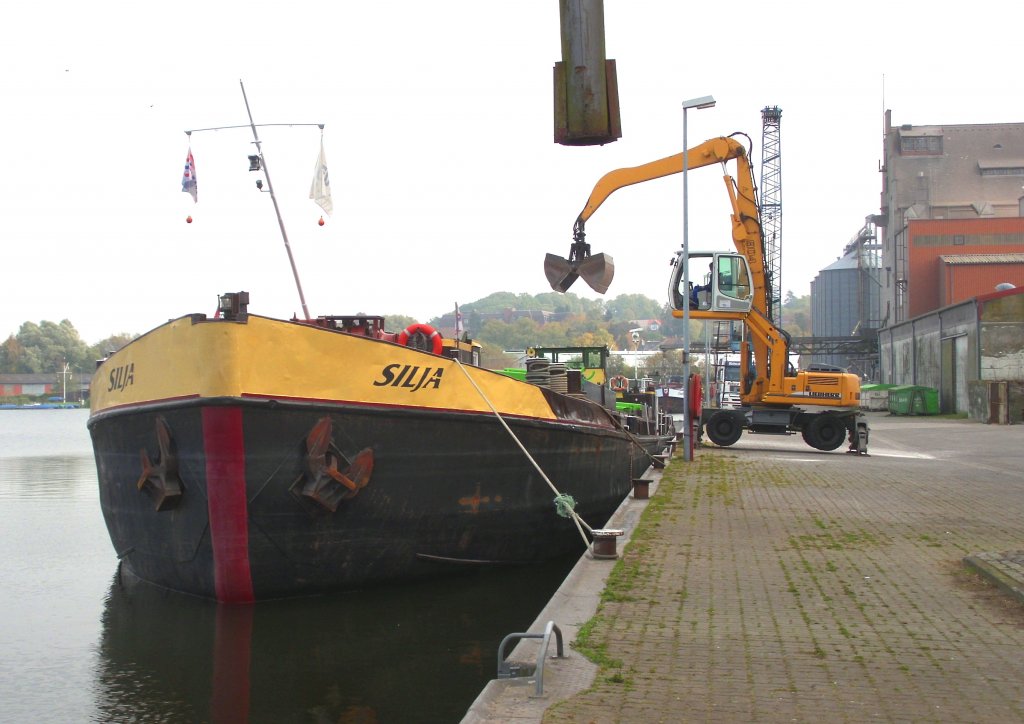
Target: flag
320	190
188	180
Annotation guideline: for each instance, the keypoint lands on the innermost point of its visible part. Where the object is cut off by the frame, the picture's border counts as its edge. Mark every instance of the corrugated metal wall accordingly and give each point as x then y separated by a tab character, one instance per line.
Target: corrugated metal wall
929	239
834	309
958	282
844	300
960	350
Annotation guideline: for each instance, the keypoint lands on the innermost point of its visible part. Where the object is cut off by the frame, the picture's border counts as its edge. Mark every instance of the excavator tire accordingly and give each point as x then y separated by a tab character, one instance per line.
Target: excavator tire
723	428
825	432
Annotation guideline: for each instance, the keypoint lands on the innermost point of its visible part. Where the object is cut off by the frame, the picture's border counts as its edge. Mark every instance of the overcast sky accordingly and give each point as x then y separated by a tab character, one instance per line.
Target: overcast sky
446	183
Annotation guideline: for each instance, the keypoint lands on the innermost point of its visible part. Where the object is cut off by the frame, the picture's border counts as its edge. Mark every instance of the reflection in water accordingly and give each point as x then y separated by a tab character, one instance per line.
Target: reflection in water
414	653
47	477
410	653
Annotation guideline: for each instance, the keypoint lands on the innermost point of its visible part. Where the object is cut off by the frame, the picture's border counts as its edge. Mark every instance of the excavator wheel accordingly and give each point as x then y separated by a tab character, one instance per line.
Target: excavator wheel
825	431
724	428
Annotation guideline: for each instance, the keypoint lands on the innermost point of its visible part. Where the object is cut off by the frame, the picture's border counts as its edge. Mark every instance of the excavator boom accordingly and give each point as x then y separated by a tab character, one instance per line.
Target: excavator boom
715	150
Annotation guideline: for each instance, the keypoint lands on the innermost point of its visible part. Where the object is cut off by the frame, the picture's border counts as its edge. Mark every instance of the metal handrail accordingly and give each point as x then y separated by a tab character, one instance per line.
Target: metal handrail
505	669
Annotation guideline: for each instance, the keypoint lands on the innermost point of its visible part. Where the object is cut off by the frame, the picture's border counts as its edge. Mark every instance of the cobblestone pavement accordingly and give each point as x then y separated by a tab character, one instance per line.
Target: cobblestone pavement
771	582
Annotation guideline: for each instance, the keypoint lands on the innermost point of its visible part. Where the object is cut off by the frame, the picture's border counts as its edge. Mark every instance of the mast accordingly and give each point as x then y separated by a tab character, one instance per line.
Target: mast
277	209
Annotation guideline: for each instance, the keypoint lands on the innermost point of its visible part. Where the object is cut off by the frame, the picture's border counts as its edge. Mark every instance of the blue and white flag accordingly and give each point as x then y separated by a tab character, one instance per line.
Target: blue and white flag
188	180
320	190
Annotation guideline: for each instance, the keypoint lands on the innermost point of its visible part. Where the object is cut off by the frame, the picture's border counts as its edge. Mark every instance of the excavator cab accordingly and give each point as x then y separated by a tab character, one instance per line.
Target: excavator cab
718	282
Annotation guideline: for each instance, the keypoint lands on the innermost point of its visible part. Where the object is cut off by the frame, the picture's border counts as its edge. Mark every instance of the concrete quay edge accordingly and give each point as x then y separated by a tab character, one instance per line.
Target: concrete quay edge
571	606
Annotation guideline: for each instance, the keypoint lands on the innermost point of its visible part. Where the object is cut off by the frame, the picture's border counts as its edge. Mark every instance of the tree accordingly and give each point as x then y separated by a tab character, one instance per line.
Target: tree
663	364
11	355
494	357
796	315
46	347
597	338
398	322
103	348
627	307
520	334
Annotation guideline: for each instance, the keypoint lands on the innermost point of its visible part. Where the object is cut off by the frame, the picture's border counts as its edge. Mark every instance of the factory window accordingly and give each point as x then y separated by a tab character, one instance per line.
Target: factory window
1007	171
920	145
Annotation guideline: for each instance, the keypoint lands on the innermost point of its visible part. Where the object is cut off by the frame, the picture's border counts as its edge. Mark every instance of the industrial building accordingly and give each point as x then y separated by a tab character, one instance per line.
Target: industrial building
949	194
972	352
942	287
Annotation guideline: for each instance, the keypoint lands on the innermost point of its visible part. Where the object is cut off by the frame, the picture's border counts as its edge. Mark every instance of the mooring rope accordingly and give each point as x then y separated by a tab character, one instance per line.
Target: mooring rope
565	505
636	441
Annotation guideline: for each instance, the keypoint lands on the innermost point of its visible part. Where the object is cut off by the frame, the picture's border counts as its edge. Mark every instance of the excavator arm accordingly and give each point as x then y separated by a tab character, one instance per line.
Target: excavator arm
714	150
598	270
746	236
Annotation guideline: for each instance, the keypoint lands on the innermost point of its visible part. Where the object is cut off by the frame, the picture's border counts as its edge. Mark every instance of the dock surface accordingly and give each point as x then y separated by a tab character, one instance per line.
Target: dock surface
771	582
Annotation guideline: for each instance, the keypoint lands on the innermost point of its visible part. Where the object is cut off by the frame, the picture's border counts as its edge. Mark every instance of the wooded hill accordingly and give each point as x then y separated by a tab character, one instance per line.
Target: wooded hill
499	321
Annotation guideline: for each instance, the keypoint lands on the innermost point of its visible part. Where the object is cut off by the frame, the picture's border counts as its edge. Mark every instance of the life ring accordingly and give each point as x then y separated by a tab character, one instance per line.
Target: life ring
619	383
424	329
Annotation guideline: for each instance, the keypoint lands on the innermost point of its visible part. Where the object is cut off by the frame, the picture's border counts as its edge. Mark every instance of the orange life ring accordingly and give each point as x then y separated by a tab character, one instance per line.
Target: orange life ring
426	329
619	383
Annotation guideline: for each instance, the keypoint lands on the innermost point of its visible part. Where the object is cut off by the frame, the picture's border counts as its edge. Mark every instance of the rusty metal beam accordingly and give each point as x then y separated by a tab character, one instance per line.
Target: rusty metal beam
586	103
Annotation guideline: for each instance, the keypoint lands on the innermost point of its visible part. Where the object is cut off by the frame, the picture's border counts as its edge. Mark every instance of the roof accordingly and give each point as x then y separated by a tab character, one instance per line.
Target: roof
850	261
982	258
1004	293
27	378
921	131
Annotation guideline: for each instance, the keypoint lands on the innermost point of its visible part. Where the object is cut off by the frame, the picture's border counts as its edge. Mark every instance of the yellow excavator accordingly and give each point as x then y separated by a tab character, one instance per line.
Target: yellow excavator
823	406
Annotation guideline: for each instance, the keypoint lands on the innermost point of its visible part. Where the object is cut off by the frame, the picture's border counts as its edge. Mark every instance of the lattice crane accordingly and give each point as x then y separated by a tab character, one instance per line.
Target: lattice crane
771	207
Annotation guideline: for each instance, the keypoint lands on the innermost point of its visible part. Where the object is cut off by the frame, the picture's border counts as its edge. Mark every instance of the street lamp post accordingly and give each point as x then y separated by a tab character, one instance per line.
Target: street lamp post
698	103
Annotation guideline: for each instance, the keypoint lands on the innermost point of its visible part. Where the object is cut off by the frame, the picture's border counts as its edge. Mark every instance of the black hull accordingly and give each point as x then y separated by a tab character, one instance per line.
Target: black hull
232	522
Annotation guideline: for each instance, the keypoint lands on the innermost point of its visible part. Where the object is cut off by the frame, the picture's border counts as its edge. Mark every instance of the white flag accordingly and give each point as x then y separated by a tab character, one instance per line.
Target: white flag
320	191
188	180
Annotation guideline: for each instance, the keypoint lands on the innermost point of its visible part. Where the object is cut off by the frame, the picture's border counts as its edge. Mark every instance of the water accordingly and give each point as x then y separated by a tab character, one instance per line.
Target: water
80	645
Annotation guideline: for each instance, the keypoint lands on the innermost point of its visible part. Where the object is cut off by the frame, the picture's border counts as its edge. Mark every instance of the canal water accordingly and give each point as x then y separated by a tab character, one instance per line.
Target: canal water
80	645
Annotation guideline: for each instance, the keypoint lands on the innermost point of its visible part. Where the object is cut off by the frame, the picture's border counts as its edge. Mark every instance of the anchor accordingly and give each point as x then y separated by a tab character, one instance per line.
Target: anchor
160	479
330	477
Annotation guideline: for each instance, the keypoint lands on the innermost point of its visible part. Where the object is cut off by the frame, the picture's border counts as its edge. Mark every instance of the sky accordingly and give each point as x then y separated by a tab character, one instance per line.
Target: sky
438	134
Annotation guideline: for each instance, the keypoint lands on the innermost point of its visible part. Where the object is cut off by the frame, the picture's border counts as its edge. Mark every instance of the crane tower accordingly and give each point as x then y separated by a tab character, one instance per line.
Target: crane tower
771	208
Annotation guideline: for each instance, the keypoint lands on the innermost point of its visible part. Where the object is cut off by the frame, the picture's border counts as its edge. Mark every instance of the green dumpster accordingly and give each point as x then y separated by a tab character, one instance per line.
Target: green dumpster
900	399
926	401
913	400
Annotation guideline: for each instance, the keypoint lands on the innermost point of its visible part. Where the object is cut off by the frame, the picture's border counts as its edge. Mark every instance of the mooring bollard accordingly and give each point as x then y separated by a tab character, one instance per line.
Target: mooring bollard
605	543
641	488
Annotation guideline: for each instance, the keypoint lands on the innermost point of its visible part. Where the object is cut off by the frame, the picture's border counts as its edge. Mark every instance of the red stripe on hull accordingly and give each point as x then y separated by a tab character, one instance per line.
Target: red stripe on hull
228	510
232	656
